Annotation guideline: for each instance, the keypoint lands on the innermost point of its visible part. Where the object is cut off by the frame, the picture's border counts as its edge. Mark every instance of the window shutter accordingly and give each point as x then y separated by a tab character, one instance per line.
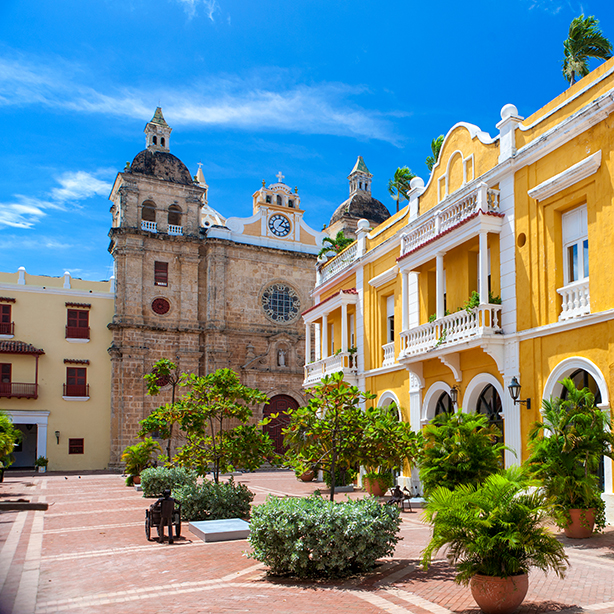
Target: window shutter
161	273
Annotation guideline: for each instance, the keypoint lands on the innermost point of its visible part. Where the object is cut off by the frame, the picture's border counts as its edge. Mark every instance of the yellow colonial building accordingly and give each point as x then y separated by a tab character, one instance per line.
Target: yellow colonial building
55	372
498	268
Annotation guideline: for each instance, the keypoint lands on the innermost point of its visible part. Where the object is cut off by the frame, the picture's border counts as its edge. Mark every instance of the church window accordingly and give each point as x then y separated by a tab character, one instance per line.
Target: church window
290	203
268	198
279	202
281	303
148	214
160	306
174	215
75	446
162	142
76	382
160	273
575	245
77	324
155	140
360	185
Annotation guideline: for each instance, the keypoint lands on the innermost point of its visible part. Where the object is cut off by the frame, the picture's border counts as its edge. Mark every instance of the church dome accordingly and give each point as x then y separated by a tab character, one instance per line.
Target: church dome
161	165
361	205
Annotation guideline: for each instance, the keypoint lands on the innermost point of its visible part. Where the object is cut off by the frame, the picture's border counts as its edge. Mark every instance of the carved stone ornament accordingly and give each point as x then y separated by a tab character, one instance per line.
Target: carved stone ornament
160	306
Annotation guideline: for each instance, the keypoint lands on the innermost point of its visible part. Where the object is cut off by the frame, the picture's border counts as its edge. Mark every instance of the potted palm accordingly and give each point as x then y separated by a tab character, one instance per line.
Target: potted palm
566	449
41	464
139	457
494	532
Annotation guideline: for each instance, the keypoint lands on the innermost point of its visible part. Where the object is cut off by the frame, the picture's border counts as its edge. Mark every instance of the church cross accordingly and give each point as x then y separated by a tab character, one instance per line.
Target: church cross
280	177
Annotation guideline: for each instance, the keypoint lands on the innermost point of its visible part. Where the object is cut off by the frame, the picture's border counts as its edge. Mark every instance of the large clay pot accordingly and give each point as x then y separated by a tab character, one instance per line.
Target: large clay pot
307	476
374	487
136	479
582	524
499	595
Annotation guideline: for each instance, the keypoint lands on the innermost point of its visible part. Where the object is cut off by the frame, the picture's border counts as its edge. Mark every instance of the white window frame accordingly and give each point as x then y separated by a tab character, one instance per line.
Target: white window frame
574	227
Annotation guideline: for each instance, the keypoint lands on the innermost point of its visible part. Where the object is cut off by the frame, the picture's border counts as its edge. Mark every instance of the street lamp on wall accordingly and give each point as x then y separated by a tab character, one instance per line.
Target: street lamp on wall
454	395
514	389
57	436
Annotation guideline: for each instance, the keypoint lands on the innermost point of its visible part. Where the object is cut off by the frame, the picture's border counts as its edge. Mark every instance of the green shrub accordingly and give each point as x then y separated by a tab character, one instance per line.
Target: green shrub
313	537
156	479
211	501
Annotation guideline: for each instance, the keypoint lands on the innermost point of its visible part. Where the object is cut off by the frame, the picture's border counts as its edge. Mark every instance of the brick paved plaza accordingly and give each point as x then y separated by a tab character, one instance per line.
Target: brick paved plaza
79	557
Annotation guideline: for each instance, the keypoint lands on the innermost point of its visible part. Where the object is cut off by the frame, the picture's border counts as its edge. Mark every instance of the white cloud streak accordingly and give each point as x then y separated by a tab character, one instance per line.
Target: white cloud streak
325	108
24	211
191	7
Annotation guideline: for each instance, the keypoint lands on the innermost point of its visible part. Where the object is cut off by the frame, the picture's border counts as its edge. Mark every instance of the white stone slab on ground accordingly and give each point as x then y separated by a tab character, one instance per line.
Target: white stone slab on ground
220	530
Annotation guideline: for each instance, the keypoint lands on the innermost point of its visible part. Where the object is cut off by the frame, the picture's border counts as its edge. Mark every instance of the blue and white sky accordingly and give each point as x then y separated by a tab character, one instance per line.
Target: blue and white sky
250	88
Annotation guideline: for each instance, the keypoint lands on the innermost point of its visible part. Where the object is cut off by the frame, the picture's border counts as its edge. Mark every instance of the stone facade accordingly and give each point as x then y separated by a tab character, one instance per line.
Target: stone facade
202	304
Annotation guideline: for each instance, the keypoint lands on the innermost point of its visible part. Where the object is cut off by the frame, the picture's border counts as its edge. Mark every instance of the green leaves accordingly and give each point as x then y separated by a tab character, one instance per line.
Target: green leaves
210	501
495	529
9	436
312	537
435	148
336	244
585	41
400	185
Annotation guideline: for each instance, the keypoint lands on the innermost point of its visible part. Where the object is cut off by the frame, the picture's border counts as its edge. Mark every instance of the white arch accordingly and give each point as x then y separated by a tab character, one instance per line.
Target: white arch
475	387
565	368
387	398
430	400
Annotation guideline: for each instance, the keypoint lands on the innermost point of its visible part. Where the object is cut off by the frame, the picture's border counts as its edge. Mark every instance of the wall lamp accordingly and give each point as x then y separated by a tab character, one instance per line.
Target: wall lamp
514	389
454	395
57	436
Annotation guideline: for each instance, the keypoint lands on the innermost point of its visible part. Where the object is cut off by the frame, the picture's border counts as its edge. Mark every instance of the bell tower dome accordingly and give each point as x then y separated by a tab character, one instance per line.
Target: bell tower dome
158	133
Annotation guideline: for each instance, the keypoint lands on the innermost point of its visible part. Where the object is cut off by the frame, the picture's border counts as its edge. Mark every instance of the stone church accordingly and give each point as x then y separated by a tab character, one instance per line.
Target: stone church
202	290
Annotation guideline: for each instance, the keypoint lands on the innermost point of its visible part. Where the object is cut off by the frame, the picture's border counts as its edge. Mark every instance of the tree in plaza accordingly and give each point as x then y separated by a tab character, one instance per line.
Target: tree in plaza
585	41
213	416
9	436
459	448
328	431
399	186
336	244
164	372
435	148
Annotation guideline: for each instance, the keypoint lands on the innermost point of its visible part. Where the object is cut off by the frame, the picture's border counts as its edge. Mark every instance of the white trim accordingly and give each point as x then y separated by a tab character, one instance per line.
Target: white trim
383	370
329	305
6	336
76	398
430	400
474	389
566	325
73	340
568	366
391	397
385	277
51	290
290	246
39	417
583	169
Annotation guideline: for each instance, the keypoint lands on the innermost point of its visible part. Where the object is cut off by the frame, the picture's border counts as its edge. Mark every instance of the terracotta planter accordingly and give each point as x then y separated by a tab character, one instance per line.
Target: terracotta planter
582	524
307	476
374	487
499	595
136	479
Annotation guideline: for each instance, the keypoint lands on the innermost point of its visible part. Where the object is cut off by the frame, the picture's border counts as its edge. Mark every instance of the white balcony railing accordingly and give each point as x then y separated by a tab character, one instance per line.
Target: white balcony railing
461	326
440	221
315	371
389	358
338	263
576	300
149	226
175	230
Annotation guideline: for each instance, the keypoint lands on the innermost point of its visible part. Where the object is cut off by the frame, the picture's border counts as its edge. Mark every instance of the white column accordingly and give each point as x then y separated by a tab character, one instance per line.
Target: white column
344	327
440	286
41	439
318	341
405	301
324	336
483	289
307	342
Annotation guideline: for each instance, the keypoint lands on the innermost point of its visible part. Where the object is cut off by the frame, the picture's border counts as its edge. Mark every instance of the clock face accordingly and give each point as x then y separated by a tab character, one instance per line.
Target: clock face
279	225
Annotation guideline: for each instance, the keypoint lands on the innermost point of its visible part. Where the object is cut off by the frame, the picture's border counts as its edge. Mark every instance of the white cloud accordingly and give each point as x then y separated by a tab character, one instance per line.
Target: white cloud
191	6
25	211
269	101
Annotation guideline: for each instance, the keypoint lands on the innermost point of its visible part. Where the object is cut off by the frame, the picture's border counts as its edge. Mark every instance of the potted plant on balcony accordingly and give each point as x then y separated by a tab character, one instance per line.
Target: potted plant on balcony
139	457
41	464
566	449
494	532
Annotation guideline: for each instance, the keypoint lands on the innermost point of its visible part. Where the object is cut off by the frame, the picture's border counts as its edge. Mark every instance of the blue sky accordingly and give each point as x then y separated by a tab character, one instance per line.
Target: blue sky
250	88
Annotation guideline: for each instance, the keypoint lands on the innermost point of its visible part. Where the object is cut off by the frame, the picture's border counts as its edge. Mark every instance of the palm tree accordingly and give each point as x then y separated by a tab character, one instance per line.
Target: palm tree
399	186
435	148
336	244
585	41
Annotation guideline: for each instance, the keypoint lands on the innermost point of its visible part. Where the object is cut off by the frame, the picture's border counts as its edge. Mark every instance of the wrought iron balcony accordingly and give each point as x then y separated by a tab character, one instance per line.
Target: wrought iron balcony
344	362
7	328
77	332
76	390
18	390
459	327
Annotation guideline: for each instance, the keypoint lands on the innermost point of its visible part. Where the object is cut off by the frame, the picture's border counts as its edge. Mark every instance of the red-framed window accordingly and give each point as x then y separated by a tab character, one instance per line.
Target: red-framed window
76	382
5	378
161	273
6	325
75	446
77	324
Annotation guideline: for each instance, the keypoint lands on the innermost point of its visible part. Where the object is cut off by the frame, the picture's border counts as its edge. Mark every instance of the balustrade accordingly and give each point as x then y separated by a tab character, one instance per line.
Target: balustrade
576	300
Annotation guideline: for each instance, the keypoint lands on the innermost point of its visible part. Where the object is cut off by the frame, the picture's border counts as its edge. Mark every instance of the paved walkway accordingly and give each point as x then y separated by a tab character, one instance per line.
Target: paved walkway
76	557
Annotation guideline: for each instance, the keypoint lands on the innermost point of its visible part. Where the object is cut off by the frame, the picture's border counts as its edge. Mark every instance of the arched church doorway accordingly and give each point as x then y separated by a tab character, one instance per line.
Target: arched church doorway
489	404
279	404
